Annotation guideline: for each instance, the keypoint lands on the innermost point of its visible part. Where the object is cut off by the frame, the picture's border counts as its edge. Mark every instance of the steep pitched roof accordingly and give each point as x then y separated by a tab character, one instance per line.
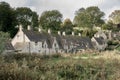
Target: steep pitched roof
100	40
81	42
59	41
37	36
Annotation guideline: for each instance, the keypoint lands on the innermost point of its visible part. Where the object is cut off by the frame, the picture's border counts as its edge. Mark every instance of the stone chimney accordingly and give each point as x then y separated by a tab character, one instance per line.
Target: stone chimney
49	31
110	35
63	33
28	27
79	34
73	33
39	29
20	27
59	33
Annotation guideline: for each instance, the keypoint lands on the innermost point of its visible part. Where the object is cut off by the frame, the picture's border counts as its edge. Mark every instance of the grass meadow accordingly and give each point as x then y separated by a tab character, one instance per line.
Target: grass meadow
80	66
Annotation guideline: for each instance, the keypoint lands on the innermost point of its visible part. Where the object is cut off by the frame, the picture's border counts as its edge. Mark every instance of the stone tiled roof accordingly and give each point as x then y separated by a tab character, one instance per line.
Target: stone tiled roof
81	42
99	40
37	36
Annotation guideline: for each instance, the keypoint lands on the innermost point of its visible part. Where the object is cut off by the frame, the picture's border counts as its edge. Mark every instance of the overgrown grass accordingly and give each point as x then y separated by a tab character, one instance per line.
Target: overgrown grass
58	67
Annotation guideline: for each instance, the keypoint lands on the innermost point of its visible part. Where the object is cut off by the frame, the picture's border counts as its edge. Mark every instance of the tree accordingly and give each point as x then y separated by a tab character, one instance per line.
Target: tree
25	16
89	17
7	19
67	26
51	20
108	26
3	38
115	17
35	21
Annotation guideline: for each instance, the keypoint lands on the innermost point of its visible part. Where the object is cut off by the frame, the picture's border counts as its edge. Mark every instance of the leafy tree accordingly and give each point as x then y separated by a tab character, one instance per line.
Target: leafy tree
115	17
108	26
51	20
35	22
7	19
3	38
89	17
67	26
25	16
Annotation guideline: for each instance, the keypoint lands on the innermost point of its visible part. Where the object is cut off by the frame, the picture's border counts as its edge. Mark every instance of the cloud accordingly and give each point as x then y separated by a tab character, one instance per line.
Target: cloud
66	7
16	3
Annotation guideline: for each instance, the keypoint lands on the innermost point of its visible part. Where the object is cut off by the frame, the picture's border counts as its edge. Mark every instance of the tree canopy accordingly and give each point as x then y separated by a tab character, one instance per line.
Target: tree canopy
51	20
86	18
25	16
67	26
89	17
7	18
115	17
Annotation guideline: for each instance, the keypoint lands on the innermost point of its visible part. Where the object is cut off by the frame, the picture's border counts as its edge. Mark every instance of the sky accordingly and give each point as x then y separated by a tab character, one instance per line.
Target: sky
66	7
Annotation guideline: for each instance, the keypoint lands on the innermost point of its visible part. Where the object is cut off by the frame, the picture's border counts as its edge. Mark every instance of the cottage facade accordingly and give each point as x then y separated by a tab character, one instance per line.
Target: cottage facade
99	43
99	40
29	41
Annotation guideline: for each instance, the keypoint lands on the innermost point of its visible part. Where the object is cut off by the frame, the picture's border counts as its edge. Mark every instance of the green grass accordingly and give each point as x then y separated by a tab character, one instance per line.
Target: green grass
118	48
57	67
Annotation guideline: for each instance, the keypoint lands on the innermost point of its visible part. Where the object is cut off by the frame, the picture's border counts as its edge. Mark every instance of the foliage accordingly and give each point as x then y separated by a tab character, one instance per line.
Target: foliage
7	19
115	17
3	38
118	48
67	26
34	67
108	26
89	17
113	42
25	16
88	33
51	20
35	21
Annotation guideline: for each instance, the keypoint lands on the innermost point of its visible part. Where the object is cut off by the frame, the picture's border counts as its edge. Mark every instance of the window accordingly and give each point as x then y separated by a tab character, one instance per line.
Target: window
43	45
55	44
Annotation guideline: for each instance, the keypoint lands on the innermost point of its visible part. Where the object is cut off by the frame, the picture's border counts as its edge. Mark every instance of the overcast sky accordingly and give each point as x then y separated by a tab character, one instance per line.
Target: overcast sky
66	7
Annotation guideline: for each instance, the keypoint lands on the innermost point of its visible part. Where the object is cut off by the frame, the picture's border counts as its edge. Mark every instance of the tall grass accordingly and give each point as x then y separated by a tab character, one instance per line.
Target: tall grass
58	67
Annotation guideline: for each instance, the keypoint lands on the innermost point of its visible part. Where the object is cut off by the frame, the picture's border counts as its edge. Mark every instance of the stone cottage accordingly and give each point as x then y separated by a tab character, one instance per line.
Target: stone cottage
99	40
29	41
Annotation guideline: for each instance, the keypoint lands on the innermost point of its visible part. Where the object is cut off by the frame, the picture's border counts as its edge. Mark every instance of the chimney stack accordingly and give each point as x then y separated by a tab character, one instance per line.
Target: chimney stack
73	33
59	33
20	27
49	31
28	27
63	33
39	29
79	34
110	35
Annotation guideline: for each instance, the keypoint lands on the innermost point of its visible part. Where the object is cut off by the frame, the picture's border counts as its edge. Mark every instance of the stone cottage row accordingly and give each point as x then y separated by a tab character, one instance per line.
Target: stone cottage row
29	41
